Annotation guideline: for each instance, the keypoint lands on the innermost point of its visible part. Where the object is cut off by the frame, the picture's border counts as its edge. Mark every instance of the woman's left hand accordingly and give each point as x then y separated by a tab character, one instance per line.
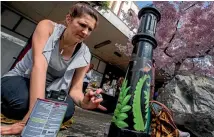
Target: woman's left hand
91	102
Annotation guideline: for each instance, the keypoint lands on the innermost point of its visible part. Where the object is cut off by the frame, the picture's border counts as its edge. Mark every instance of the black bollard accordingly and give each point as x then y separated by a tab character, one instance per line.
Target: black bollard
132	114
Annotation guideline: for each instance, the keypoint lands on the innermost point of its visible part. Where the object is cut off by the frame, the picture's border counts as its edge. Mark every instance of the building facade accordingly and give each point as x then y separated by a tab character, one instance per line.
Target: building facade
19	19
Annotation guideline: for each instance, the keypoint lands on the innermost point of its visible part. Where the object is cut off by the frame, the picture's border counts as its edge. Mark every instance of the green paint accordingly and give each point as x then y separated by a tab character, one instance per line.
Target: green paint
122	107
126	108
122	116
147	97
38	120
121	124
126	100
147	107
136	106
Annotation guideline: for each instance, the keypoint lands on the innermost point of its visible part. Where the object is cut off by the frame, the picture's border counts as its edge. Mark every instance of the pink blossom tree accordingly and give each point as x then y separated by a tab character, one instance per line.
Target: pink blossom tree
187	43
185	37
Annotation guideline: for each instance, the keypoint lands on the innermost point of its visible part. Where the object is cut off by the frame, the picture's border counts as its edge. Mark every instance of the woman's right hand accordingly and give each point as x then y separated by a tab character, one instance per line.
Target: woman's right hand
13	129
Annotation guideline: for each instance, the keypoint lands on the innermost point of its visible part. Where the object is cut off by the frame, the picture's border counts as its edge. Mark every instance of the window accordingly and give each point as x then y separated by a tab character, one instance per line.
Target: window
9	19
101	67
26	28
95	62
97	78
97	73
15	33
113	5
11	45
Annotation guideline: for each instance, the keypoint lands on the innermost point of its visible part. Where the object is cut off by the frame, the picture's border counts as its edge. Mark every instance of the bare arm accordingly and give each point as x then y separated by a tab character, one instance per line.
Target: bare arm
77	85
39	68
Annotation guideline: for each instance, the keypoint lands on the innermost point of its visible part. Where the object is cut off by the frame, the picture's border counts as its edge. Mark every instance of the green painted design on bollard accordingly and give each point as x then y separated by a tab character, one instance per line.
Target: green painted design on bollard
140	124
122	107
147	99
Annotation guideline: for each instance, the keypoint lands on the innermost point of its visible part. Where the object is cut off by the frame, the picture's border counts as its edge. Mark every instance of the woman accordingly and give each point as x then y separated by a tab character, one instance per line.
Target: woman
57	61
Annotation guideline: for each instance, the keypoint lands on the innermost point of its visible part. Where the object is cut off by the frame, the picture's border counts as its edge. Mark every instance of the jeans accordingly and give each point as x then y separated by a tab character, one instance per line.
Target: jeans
15	98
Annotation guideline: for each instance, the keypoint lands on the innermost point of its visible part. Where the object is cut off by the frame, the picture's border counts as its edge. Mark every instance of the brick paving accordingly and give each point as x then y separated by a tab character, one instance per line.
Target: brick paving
86	124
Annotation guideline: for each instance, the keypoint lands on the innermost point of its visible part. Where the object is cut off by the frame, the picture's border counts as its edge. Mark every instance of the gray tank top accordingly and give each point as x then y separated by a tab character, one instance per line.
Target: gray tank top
57	66
60	72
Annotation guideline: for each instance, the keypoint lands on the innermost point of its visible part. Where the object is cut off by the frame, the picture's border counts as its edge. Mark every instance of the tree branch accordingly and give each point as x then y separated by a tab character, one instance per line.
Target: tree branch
207	52
173	36
175	31
165	51
191	6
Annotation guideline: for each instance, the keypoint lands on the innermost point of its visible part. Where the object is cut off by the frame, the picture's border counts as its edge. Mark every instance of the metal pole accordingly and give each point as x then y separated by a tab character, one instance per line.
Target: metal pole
132	114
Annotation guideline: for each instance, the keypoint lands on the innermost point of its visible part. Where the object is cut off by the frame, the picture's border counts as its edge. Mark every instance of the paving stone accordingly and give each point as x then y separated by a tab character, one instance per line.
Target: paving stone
86	124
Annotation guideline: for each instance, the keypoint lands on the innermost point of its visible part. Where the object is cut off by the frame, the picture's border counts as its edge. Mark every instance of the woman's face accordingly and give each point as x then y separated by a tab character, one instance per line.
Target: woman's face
80	28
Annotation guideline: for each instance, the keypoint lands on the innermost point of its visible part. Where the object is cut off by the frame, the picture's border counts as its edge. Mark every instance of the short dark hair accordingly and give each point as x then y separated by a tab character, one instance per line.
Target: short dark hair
80	8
